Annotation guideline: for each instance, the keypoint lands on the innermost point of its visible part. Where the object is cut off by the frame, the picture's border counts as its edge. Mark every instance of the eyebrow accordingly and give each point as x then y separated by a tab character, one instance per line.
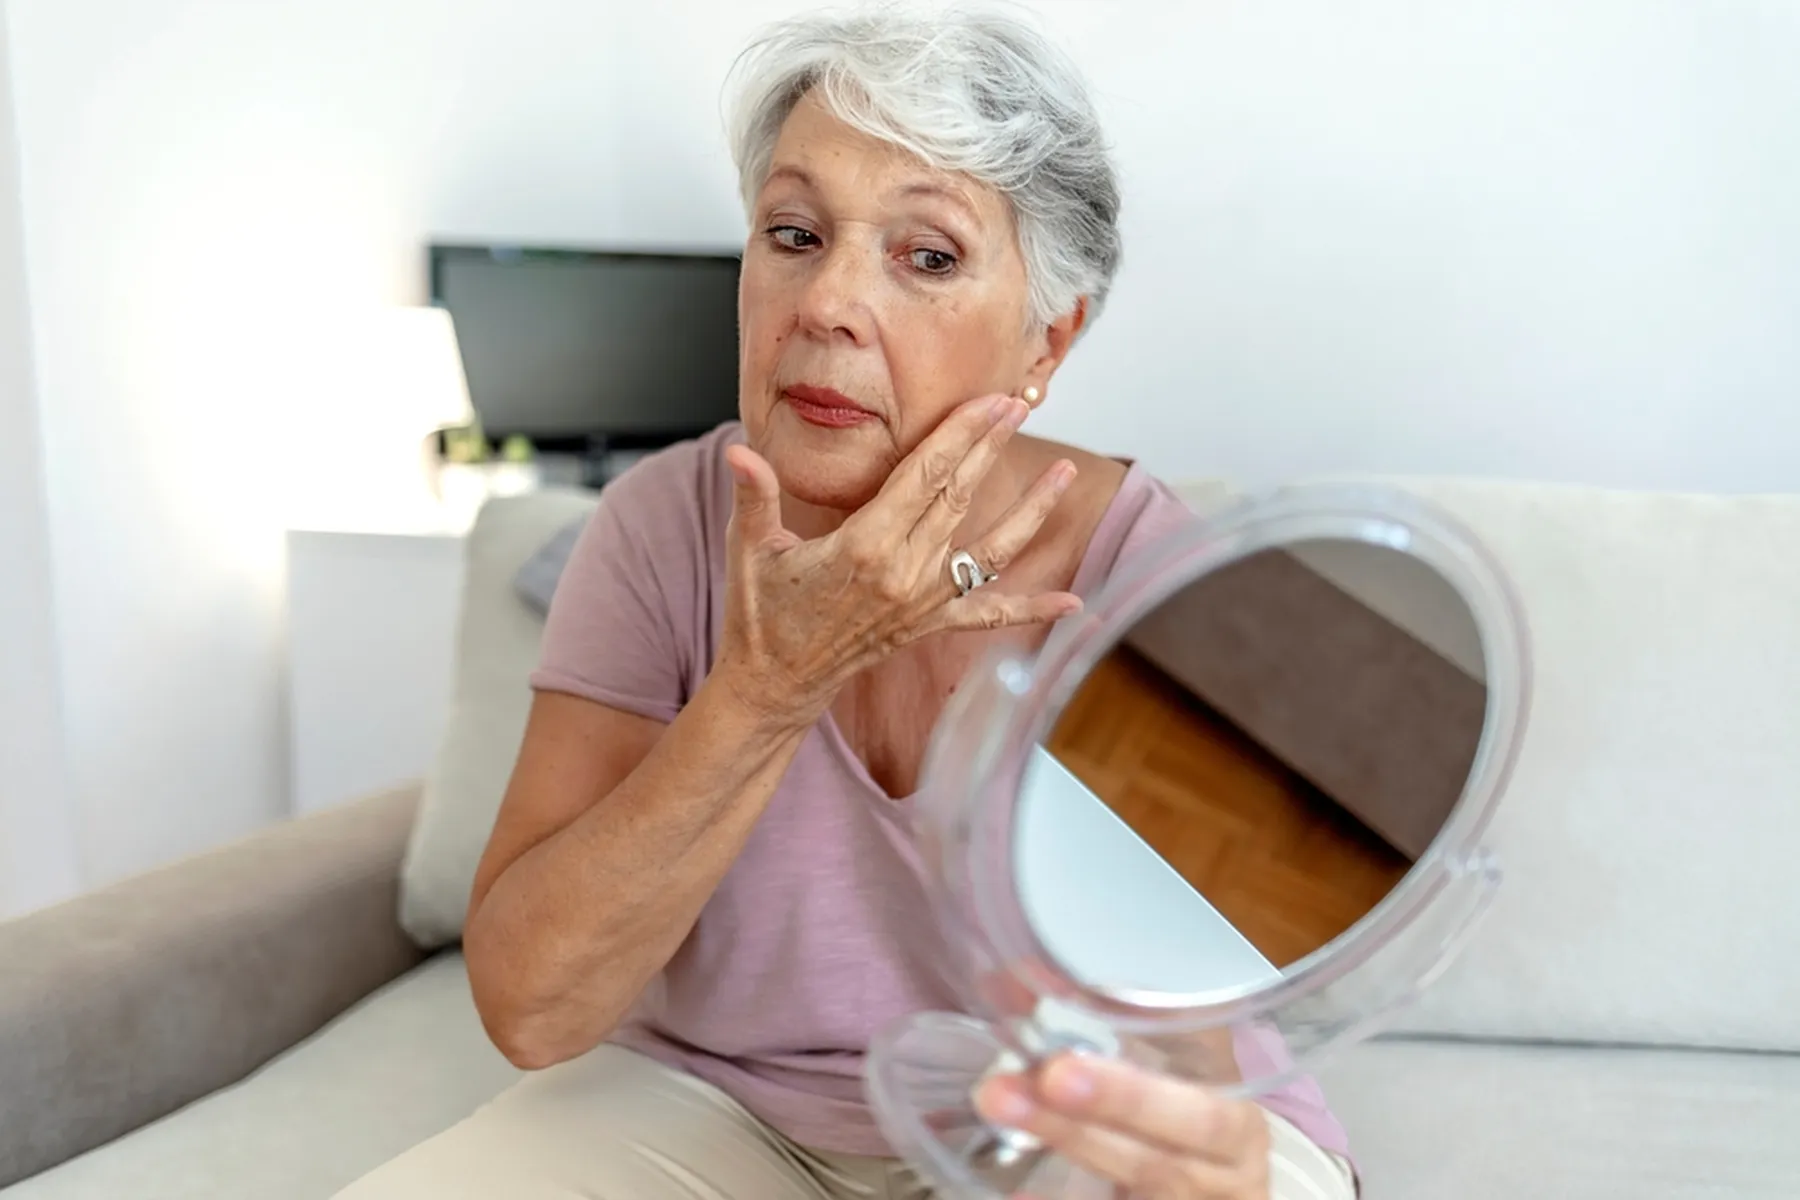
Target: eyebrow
941	192
789	172
919	189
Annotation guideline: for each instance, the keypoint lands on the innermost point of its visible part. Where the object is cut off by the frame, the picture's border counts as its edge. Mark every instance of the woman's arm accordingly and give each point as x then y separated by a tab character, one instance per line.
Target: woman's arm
614	831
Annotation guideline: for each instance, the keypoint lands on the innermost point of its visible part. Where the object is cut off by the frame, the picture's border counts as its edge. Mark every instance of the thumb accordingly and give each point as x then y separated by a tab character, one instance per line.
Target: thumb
755	498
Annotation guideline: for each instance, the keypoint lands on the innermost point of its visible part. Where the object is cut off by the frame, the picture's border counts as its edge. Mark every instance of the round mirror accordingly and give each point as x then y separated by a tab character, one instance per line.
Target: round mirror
1225	821
1249	770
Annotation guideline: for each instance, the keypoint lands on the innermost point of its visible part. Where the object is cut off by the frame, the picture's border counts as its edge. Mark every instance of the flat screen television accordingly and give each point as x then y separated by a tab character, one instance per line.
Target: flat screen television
592	351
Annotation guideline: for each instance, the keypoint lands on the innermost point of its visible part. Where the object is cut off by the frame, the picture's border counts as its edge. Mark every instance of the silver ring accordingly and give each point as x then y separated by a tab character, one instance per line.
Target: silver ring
967	574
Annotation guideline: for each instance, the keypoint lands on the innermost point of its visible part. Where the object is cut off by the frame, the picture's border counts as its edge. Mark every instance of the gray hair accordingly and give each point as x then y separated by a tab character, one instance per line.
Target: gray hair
976	92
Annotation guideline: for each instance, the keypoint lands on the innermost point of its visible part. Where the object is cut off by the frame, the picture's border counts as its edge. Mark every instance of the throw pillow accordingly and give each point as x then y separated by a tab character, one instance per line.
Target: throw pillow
536	580
1648	883
498	637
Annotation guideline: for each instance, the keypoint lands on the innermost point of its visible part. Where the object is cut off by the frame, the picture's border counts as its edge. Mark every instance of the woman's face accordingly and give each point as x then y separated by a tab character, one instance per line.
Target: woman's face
877	295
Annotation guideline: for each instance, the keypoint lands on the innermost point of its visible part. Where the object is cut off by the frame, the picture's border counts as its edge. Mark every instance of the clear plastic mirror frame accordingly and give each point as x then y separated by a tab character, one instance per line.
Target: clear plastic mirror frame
1021	1006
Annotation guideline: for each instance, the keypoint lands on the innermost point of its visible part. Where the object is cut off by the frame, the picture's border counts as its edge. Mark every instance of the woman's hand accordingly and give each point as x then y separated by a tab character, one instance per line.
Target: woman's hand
802	617
1155	1135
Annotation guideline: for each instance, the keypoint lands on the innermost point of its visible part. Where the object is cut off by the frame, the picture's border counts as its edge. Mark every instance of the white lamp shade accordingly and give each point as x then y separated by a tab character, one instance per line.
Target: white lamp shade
409	371
385	381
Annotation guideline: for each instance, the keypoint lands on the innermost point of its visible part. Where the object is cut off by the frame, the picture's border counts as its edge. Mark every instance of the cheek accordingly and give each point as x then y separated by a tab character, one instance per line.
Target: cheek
971	339
762	332
762	328
943	354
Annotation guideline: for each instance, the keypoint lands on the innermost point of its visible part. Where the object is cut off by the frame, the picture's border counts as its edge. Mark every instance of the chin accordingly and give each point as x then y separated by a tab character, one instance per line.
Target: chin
839	482
840	469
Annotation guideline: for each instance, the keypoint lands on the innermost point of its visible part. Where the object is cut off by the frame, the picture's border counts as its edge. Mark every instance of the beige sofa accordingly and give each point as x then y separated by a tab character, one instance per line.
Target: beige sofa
259	1023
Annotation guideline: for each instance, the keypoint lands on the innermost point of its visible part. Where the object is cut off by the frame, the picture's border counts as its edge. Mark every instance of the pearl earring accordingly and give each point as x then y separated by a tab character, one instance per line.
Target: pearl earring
1031	395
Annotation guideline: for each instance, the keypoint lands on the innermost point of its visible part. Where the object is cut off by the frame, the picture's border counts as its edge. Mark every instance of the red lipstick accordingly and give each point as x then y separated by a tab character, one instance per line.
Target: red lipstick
825	407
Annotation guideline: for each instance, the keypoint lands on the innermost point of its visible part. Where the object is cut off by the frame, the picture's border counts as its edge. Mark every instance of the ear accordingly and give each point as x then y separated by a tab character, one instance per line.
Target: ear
1058	339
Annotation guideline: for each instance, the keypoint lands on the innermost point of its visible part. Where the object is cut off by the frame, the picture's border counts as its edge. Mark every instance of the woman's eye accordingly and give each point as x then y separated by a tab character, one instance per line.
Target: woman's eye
934	262
792	237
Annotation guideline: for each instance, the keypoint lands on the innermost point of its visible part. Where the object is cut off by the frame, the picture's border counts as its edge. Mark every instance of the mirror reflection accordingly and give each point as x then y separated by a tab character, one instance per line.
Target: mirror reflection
1250	769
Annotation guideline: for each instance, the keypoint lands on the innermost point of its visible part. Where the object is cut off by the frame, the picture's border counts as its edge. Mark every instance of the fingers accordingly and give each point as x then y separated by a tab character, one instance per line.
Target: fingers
990	609
1230	1166
755	499
1176	1114
1139	1169
950	505
914	485
1020	523
982	609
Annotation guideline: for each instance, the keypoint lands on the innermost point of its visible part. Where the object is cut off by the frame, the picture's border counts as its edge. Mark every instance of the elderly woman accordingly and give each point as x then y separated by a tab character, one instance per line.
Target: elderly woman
696	908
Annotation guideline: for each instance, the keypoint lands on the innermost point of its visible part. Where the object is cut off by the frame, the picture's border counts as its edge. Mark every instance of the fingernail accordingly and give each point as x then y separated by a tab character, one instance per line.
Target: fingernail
1069	1082
1006	1105
1065	475
998	409
1015	413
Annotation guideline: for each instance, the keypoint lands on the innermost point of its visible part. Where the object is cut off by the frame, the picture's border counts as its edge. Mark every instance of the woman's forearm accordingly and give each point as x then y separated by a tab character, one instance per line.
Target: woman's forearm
570	933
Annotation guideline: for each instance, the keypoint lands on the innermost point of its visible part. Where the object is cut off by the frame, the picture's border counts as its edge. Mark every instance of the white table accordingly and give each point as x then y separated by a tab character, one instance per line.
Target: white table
1108	906
371	642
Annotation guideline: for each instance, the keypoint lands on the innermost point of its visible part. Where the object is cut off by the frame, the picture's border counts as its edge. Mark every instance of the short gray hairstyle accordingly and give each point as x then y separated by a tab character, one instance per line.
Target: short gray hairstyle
974	91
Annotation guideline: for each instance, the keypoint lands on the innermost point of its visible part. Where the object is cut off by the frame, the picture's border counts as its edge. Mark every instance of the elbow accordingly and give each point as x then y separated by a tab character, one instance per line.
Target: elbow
522	1048
534	1043
524	1039
530	1032
521	1033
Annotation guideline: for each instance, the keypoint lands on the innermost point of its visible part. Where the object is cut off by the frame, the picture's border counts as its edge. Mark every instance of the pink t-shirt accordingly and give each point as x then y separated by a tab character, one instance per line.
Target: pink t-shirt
820	932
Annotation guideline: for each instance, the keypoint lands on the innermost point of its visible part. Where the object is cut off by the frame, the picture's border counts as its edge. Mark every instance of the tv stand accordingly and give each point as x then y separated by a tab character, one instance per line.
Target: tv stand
593	462
601	461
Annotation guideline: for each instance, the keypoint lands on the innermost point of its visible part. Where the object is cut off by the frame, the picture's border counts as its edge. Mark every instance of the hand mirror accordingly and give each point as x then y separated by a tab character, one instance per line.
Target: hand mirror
1227	820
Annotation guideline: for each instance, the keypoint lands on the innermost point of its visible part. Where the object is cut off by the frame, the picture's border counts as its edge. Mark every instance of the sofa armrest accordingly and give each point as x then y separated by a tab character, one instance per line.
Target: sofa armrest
123	1005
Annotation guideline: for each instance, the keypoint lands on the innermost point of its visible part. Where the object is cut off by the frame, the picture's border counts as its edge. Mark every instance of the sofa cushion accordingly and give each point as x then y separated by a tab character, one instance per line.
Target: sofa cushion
496	649
1426	1119
1499	1122
121	1005
1646	835
407	1062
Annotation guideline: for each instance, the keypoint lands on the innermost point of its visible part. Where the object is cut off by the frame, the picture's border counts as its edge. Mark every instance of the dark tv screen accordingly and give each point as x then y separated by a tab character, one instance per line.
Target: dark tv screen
575	348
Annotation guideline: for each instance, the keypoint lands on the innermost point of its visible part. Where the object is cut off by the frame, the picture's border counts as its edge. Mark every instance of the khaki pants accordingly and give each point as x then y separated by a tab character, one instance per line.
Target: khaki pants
614	1125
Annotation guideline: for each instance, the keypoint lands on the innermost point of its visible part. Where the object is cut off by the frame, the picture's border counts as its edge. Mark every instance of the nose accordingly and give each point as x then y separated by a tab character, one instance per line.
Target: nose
836	297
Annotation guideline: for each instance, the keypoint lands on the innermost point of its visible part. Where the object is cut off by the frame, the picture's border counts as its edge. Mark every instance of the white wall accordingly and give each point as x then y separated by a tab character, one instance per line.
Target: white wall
1540	239
37	850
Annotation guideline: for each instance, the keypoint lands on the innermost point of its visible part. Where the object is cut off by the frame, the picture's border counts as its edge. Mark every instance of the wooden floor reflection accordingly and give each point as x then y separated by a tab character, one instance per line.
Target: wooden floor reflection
1283	863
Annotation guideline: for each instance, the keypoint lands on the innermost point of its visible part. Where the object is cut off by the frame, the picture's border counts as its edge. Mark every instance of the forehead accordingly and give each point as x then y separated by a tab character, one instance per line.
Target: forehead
846	165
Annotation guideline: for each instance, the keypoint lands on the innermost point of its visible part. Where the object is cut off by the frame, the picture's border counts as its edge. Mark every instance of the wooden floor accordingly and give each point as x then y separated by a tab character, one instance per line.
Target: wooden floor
1279	859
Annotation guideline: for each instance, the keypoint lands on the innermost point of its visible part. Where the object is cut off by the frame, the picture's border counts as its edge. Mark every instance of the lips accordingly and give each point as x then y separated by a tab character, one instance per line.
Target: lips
825	407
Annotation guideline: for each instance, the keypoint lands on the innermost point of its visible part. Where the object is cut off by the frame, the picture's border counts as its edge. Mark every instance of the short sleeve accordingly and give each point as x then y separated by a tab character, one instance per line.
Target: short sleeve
1163	513
614	632
1261	1052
